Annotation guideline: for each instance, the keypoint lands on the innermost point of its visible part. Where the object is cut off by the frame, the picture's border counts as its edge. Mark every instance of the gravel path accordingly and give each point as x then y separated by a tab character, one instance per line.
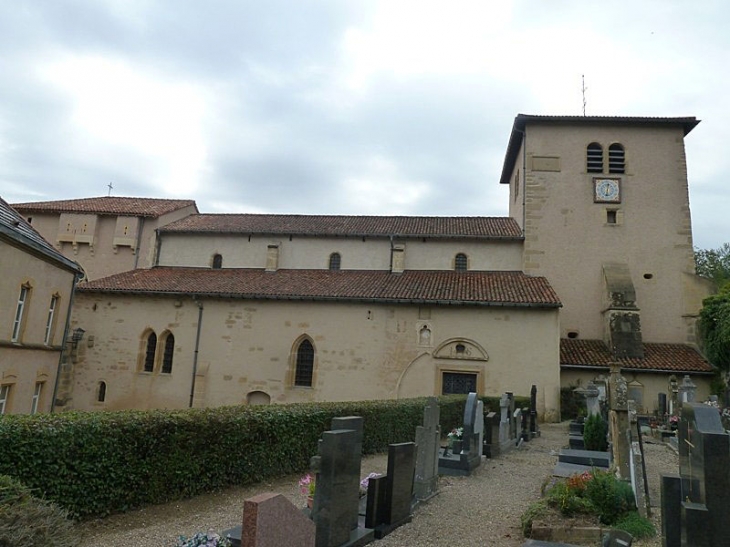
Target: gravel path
481	510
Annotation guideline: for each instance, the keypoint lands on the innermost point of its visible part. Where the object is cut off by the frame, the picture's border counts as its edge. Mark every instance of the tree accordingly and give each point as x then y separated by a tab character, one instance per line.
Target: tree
714	264
714	328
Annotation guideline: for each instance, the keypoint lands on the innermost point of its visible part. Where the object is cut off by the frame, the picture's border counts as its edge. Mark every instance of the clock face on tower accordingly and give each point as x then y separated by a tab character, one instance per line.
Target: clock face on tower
606	191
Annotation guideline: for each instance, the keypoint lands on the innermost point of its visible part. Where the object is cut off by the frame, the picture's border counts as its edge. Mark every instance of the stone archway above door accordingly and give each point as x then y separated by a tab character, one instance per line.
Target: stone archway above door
459	348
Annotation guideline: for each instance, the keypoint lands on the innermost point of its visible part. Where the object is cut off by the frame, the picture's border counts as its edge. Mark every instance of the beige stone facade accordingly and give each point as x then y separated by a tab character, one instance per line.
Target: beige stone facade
105	235
586	244
36	289
361	351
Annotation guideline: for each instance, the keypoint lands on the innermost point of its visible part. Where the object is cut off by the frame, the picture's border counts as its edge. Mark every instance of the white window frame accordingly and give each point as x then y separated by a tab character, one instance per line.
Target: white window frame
4	397
49	321
24	290
36	397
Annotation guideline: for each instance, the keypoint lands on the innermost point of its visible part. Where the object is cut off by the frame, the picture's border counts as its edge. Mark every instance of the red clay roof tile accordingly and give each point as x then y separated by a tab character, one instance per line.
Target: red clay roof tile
415	286
110	205
352	226
657	357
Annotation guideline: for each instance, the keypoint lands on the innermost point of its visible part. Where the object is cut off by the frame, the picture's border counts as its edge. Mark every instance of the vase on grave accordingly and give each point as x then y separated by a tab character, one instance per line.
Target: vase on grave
310	502
457	446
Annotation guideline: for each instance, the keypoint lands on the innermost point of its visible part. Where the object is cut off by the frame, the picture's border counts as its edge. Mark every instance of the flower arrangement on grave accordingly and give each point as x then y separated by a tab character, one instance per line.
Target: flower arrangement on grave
204	539
455	436
364	482
307	485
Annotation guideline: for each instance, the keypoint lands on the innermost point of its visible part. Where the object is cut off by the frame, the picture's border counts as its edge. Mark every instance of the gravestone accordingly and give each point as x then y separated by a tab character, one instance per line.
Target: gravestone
591	394
428	437
662	405
390	506
517	420
351	494
504	422
671	509
491	435
704	469
674	405
687	390
479	428
512	408
471	454
333	513
534	432
271	520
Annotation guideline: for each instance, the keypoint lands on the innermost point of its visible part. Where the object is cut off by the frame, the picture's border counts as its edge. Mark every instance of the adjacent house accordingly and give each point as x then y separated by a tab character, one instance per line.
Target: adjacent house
36	291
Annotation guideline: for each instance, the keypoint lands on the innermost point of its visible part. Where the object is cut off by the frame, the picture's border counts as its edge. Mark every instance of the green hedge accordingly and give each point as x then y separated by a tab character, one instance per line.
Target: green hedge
96	463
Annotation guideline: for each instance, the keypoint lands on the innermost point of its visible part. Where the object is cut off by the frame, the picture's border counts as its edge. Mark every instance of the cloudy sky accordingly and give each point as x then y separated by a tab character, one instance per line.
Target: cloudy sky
341	106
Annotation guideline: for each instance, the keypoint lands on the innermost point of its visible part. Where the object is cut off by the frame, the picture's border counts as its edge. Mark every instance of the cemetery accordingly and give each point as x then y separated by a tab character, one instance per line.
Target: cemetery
601	479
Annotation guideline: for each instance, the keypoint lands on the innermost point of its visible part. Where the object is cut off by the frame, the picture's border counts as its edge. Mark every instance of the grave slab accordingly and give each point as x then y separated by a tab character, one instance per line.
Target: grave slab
567	469
576	442
591	458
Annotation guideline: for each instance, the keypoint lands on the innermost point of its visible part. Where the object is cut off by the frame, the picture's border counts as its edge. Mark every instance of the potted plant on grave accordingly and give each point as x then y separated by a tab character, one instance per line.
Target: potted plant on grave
456	439
307	485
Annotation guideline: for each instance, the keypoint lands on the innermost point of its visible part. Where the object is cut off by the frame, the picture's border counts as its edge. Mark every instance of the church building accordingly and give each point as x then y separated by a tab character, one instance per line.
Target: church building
593	265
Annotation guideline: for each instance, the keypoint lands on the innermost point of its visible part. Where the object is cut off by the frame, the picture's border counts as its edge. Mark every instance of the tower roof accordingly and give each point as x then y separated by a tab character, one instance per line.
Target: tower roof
522	120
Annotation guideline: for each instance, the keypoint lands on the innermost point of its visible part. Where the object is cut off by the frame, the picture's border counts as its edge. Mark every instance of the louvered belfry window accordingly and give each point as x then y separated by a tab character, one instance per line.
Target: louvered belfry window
616	159
594	158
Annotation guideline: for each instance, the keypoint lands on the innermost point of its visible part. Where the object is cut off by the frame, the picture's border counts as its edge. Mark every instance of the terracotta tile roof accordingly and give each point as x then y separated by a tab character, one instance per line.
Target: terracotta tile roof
415	286
138	207
14	227
657	357
521	120
352	226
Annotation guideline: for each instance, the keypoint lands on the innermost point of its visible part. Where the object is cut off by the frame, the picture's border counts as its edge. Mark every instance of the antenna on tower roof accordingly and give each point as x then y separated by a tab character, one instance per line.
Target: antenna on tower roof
583	79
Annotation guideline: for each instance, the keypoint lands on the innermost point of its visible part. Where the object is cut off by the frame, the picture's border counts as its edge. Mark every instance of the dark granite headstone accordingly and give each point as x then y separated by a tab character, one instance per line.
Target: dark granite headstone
470	412
512	423
704	468
533	412
399	486
352	491
470	456
375	505
671	493
390	502
491	435
338	461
